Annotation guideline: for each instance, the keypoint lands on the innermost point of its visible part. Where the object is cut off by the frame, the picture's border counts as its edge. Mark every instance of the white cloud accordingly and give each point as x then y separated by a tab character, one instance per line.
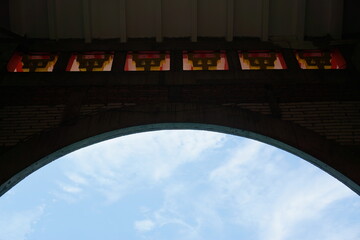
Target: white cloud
305	199
256	187
19	225
144	225
76	179
173	213
114	167
237	165
70	189
250	183
330	232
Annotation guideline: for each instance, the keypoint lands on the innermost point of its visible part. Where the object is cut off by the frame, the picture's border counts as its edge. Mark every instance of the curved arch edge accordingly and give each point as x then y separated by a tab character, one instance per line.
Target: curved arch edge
232	121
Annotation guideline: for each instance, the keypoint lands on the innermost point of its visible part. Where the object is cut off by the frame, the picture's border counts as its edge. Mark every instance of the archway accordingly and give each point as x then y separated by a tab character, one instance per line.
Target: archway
29	156
179	182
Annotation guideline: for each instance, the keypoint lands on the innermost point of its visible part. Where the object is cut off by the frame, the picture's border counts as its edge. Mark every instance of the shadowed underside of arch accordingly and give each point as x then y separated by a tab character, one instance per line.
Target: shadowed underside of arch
27	157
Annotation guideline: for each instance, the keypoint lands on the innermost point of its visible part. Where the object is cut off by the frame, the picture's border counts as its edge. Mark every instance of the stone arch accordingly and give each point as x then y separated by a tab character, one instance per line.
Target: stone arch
40	150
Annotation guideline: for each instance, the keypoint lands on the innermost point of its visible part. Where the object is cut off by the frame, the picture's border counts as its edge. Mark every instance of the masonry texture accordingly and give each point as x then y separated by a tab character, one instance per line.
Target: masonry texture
337	121
314	111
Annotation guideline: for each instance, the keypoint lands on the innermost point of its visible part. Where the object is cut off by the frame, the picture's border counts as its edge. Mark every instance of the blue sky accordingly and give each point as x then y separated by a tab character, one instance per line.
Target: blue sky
180	185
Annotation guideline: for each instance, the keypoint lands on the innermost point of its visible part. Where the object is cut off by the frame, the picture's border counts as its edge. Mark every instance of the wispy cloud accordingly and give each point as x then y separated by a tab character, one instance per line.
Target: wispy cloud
194	189
144	225
18	225
70	189
275	203
76	179
306	199
115	167
255	187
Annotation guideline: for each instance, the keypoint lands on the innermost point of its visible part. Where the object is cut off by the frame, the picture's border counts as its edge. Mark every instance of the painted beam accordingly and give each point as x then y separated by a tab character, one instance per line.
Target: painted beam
230	20
87	20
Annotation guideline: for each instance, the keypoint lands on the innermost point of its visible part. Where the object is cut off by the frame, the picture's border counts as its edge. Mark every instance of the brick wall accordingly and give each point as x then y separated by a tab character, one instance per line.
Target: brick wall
337	121
17	123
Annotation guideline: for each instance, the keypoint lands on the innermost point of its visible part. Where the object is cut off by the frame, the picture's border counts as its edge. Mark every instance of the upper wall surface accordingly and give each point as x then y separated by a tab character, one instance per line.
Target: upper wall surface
88	19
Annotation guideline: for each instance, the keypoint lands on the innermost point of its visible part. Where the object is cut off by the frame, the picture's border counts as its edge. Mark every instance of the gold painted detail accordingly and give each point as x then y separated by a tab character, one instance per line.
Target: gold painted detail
38	63
320	60
267	61
148	63
200	62
93	63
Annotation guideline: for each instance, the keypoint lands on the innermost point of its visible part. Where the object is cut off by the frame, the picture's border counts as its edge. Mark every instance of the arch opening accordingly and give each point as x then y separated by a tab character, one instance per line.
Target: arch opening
177	126
234	177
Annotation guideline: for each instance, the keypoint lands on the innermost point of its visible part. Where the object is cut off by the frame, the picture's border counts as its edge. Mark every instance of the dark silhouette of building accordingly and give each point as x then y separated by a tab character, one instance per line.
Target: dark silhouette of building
312	113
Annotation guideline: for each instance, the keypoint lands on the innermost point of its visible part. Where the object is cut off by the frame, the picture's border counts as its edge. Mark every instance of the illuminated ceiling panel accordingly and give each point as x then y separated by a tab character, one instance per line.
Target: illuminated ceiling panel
320	59
147	61
32	62
261	60
204	60
90	62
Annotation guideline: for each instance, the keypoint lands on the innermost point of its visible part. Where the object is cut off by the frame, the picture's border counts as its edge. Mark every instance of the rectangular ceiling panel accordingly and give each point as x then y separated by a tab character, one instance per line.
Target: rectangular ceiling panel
317	18
29	18
38	26
105	19
283	16
140	18
17	16
69	15
247	17
212	17
177	18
